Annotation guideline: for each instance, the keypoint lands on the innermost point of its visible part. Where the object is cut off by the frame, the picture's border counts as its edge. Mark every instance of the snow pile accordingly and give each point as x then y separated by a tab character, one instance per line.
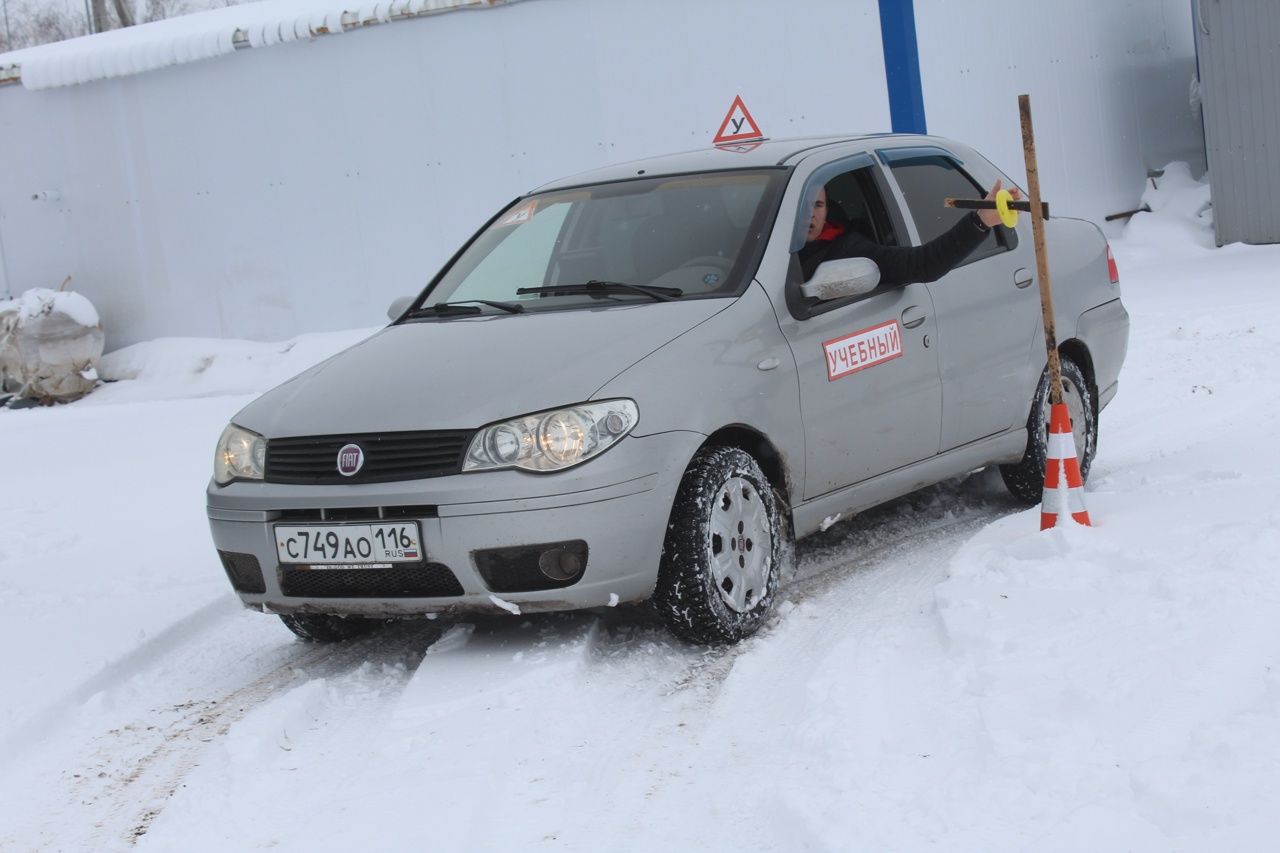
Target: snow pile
1132	669
1137	661
50	342
203	367
1181	216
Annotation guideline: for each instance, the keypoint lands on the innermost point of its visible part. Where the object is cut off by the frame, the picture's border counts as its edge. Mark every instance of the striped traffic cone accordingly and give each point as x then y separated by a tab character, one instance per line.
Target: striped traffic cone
1061	456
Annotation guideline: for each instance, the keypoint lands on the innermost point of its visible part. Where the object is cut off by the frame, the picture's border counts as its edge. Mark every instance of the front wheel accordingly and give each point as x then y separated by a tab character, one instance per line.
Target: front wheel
324	628
1025	478
719	569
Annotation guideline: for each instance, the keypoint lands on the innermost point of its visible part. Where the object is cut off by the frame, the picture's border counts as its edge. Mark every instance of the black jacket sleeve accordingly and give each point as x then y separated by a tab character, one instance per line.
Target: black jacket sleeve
909	264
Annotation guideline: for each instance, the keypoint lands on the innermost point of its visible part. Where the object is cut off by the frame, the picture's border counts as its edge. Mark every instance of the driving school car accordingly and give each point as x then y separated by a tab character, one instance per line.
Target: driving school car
622	389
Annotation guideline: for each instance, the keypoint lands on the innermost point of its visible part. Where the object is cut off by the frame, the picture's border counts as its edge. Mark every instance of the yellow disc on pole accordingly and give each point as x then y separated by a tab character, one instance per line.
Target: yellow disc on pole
1007	215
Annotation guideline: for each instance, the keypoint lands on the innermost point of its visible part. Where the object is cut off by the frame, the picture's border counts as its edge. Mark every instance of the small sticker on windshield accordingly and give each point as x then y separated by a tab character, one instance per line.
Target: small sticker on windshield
862	349
520	215
710	278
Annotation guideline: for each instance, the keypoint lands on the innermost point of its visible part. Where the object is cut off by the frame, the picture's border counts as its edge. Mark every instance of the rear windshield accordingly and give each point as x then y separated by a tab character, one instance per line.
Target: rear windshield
697	234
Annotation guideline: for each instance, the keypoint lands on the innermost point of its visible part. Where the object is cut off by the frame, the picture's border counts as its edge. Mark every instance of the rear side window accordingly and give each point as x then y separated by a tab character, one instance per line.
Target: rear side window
928	179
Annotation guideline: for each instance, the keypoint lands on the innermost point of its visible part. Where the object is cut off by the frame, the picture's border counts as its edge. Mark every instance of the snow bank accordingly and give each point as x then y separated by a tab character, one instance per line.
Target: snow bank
171	368
1137	661
1181	217
1133	668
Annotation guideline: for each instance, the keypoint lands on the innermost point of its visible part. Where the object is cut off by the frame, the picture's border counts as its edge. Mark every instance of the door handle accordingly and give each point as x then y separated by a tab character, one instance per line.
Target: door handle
1022	278
913	316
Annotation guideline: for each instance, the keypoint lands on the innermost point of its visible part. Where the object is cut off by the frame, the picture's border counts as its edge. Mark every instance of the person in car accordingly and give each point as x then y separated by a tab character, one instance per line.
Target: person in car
827	239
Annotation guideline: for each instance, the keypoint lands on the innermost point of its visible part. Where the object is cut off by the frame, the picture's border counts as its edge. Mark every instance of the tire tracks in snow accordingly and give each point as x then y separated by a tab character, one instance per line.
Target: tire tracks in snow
42	724
864	574
135	768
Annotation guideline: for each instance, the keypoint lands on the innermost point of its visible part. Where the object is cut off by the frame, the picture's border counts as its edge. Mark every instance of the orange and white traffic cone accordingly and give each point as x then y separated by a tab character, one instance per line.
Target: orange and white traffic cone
1061	458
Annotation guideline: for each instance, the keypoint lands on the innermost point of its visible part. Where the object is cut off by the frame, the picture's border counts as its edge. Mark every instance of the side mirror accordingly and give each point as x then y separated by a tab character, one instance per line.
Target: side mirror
399	306
841	278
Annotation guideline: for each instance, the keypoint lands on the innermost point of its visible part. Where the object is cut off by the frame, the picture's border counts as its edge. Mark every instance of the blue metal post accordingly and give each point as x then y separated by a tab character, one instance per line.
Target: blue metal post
902	65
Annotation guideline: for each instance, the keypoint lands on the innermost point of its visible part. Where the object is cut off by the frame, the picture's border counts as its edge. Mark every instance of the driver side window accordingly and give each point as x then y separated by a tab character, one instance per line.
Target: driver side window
854	202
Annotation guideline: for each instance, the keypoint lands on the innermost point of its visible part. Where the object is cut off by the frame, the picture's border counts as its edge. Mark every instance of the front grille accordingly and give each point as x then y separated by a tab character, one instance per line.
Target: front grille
313	460
243	571
419	580
359	513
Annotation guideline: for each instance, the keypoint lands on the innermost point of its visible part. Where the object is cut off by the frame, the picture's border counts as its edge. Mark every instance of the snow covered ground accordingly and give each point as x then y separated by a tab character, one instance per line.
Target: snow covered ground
943	675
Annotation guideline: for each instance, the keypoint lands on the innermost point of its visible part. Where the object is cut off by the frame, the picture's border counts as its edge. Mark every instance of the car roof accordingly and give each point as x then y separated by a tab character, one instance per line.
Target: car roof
745	155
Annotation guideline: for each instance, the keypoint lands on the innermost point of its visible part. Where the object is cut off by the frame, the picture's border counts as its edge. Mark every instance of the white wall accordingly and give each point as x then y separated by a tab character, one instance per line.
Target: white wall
302	187
1109	82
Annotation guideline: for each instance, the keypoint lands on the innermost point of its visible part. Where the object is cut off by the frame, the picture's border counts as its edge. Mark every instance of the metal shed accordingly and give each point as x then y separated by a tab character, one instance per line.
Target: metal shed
1238	46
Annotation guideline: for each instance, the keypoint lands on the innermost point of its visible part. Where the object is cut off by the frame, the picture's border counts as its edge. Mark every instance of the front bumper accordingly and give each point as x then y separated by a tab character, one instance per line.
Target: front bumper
618	503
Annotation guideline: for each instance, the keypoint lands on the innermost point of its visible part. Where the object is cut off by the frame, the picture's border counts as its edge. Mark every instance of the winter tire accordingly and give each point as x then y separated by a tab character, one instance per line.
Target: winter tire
1025	479
719	569
323	628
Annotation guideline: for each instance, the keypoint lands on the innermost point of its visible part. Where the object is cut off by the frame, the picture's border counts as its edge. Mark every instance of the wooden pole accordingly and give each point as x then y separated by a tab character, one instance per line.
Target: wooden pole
1042	259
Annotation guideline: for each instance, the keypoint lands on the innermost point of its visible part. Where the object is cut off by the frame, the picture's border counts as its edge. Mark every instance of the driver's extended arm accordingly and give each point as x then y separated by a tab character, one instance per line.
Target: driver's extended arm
926	263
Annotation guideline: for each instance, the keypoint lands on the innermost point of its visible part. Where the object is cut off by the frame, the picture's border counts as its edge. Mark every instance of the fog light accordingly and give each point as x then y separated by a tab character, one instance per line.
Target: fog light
533	567
560	564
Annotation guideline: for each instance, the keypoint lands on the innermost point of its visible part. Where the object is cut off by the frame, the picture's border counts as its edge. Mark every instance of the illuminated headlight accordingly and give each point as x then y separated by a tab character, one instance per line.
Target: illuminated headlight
241	455
549	441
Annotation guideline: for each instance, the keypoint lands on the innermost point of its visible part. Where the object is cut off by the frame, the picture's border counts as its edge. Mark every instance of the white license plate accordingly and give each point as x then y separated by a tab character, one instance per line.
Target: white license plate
349	544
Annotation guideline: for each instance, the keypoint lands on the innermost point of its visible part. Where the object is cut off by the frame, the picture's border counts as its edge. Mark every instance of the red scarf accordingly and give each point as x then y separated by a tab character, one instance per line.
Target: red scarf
830	231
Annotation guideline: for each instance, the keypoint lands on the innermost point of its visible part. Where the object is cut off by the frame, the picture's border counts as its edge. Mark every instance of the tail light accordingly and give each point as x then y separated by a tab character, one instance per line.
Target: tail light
1112	269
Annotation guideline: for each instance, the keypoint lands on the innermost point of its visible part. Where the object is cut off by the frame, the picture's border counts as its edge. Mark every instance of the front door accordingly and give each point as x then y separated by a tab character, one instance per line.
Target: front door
870	391
870	395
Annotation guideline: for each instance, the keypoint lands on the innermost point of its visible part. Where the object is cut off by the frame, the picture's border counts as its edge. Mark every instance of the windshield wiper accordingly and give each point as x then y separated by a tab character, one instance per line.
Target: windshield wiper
462	307
603	288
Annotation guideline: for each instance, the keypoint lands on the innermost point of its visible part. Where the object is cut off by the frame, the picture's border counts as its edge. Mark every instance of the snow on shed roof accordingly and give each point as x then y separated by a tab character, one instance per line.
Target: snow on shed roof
133	50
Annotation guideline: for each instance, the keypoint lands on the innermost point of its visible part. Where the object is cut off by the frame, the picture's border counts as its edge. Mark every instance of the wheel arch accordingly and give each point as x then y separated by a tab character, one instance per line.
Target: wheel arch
766	454
1076	350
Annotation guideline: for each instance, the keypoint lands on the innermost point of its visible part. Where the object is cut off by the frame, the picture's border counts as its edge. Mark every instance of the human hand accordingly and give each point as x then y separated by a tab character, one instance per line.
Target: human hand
991	218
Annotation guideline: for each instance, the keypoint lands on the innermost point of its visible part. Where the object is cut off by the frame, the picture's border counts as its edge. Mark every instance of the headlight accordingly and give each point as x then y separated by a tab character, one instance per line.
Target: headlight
550	441
241	455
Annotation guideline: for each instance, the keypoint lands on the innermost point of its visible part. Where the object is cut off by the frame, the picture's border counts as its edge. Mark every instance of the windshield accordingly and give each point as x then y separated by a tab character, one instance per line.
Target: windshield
679	237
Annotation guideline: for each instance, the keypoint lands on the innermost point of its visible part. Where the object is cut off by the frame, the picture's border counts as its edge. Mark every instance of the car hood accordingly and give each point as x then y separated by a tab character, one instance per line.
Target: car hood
463	373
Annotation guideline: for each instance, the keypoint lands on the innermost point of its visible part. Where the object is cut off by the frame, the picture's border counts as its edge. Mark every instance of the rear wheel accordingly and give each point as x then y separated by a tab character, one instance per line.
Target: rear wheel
1025	479
720	562
324	628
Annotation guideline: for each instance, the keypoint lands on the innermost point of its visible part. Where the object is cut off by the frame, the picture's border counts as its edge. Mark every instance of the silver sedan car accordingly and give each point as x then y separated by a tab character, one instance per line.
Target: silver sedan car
622	388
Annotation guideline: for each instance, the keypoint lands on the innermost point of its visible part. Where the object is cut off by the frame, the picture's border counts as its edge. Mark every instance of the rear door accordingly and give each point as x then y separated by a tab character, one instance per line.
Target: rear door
987	308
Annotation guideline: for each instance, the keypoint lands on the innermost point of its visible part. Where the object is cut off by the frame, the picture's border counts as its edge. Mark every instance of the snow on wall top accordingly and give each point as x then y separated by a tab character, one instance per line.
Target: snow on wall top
134	50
